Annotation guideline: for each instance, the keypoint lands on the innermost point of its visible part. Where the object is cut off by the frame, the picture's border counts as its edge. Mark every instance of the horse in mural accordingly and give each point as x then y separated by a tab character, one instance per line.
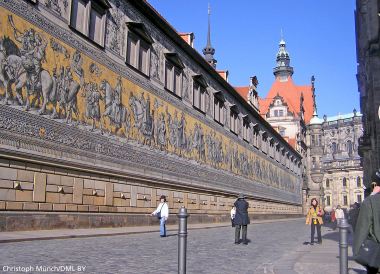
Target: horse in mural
143	121
13	71
117	117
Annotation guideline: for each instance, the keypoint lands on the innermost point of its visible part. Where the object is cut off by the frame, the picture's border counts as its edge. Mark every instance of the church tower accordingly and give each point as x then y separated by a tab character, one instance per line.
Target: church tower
283	69
208	50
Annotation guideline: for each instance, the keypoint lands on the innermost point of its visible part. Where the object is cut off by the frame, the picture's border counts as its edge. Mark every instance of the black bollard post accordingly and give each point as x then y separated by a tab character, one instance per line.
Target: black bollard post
343	245
182	239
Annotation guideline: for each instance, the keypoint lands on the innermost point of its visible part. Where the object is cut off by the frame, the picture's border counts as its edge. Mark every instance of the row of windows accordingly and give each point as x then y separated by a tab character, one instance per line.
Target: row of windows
344	182
345	199
348	146
88	18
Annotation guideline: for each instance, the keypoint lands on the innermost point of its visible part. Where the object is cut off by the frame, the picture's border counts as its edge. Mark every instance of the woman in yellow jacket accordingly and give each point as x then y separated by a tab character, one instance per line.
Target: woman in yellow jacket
314	219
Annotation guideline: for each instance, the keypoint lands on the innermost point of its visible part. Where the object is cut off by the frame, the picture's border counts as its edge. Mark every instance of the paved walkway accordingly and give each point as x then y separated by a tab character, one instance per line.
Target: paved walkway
304	258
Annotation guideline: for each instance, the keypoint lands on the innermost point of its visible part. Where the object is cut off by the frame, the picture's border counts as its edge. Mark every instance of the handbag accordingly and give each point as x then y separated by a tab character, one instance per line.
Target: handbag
159	213
369	254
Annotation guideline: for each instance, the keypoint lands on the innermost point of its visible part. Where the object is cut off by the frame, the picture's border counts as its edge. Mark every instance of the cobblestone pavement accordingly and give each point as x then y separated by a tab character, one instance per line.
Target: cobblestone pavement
208	251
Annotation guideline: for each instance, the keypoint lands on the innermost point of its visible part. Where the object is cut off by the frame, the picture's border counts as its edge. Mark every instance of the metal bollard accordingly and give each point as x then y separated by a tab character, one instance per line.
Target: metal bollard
343	245
182	239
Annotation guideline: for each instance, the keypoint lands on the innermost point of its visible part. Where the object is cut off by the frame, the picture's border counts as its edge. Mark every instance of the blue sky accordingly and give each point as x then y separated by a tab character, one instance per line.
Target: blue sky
319	36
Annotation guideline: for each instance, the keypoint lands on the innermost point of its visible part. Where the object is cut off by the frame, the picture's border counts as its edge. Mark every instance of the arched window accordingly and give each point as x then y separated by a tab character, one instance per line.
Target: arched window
344	182
327	183
358	182
333	148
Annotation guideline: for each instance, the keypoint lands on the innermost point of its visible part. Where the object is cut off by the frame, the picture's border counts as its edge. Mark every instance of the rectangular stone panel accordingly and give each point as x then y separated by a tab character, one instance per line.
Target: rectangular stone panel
71	207
67	181
59	207
7	194
88	183
45	206
24	196
6	184
98	201
17	164
108	194
53	179
25	175
30	206
26	185
83	208
100	193
14	205
65	198
133	196
52	197
8	173
78	191
88	200
2	205
93	208
39	187
100	185
51	188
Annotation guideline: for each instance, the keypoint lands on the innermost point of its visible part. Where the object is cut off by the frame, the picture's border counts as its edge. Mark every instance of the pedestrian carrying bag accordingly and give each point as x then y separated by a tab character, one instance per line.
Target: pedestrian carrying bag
369	254
159	213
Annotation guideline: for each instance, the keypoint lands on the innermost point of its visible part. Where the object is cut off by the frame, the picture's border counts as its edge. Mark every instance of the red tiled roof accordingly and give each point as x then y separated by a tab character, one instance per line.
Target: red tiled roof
243	91
292	142
291	95
223	73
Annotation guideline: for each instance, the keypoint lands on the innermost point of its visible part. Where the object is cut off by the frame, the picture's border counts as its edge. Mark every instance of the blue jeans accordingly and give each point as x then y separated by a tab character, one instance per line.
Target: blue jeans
162	227
318	226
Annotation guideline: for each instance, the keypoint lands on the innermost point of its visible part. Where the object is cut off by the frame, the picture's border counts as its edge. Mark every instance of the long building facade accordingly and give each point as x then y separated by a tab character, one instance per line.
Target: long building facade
106	107
367	51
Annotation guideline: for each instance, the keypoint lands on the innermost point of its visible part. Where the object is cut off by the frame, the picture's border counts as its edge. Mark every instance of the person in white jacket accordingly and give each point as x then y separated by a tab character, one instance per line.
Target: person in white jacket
163	211
339	214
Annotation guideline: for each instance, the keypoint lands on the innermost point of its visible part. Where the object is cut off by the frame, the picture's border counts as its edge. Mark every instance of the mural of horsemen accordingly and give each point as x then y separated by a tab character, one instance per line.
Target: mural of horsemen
65	85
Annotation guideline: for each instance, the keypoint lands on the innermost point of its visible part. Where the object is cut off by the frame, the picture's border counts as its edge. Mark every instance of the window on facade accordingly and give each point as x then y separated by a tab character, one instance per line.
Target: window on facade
312	140
327	183
89	18
345	200
199	93
280	113
334	148
319	140
255	136
234	122
138	47
246	129
218	110
320	162
282	132
328	201
276	113
349	147
359	198
173	73
344	182
358	182
313	162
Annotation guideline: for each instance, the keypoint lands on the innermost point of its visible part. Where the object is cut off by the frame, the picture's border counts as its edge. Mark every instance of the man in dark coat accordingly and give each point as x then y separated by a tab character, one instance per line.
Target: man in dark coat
354	214
368	224
241	219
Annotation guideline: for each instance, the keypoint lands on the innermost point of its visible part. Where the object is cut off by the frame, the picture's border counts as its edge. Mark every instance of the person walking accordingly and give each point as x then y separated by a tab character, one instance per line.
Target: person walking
241	219
233	212
162	212
314	219
339	214
368	224
333	219
354	214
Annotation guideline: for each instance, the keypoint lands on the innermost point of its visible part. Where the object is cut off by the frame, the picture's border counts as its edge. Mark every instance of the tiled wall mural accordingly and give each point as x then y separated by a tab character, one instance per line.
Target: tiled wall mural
43	76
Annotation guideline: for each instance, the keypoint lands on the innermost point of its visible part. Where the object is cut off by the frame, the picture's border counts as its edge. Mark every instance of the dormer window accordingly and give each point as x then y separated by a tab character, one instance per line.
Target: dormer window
173	73
280	113
89	18
138	47
199	92
234	114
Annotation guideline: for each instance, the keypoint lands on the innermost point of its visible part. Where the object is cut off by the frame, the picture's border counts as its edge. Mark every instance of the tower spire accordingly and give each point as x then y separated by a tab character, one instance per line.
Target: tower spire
208	50
283	69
